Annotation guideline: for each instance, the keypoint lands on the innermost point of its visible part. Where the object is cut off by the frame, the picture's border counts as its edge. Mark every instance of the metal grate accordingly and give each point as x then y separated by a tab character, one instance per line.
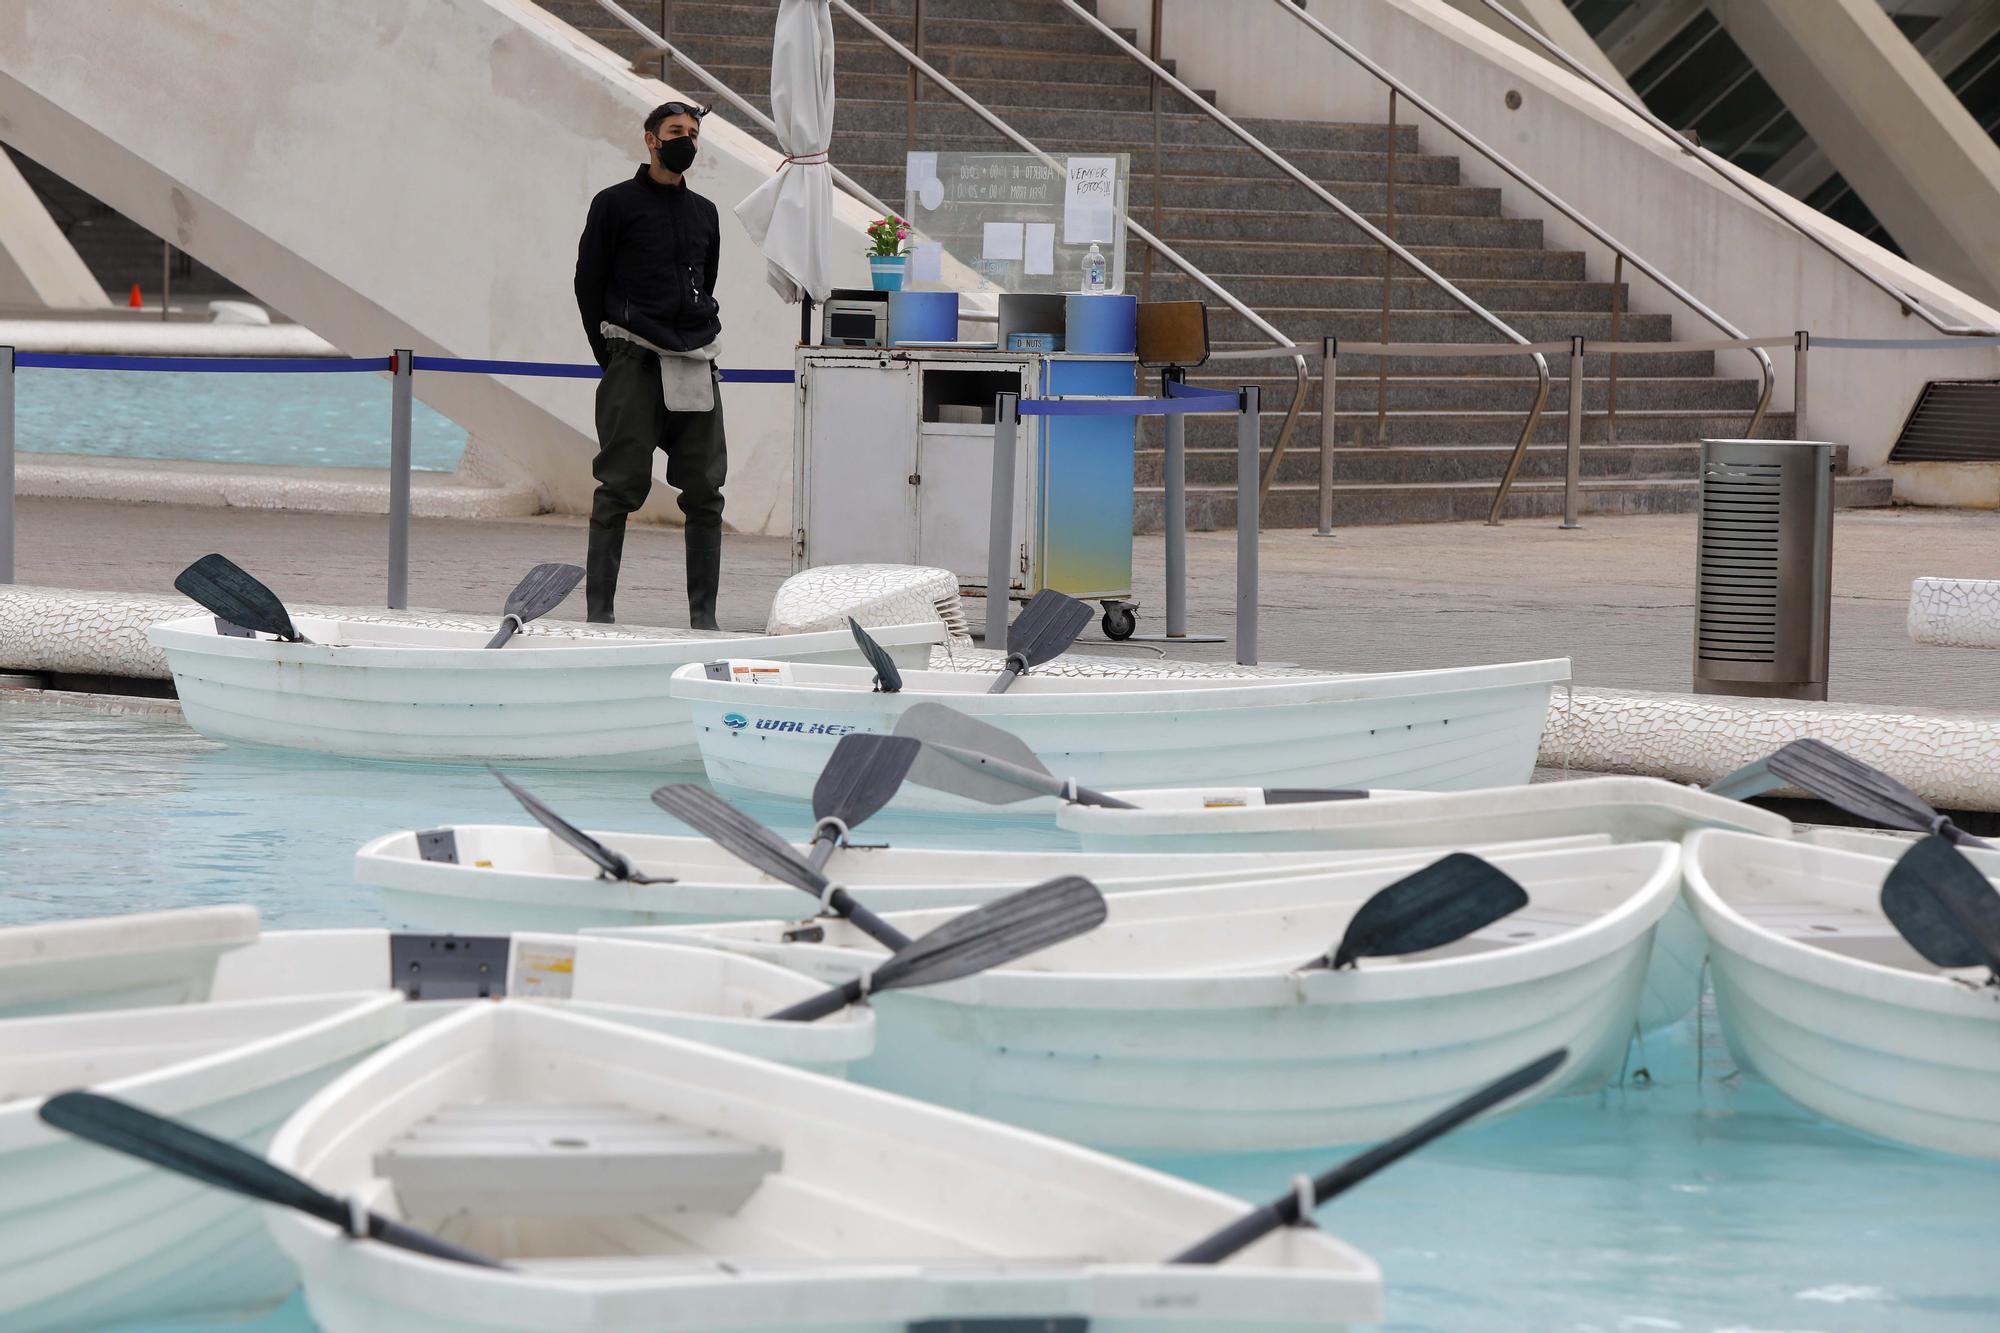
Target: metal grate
1954	421
1737	606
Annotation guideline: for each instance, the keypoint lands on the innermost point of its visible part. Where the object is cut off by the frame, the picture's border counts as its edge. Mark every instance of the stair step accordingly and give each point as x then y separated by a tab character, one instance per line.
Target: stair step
1227	374
1501	425
1226	261
864	149
1444	393
1309	324
1481	464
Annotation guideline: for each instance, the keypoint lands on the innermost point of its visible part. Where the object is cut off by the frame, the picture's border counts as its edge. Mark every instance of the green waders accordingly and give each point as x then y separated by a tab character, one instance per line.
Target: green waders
632	421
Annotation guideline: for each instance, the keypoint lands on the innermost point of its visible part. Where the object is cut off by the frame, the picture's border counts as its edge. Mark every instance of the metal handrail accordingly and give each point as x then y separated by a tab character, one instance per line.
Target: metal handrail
1909	304
1768	371
729	95
1388	242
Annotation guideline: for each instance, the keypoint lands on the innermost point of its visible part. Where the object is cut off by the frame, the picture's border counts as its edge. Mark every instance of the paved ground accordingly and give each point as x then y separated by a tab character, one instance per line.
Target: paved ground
1615	596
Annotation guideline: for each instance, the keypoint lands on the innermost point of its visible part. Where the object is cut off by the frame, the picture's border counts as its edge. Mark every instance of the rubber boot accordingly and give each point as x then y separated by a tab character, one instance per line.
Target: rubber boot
600	568
704	571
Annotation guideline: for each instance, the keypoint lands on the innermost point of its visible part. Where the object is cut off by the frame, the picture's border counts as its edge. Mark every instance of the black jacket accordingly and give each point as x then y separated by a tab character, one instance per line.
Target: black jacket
647	262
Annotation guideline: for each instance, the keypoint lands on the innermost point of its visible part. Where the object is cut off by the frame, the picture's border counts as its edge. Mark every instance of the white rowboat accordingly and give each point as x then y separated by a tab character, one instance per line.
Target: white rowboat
1422	730
117	962
1187	1024
94	1239
681	990
520	877
425	693
1821	996
641	1182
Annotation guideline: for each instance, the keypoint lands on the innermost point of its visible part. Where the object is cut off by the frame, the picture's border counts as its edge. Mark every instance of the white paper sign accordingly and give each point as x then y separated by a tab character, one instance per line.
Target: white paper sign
919	170
1040	248
1089	192
931	194
927	262
1002	241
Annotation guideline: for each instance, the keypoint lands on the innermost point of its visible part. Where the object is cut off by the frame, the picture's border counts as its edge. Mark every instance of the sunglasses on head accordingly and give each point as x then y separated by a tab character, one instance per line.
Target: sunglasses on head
684	109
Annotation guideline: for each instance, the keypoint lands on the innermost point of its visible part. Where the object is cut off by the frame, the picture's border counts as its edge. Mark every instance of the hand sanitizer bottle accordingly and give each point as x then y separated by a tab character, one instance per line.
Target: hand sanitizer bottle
1093	271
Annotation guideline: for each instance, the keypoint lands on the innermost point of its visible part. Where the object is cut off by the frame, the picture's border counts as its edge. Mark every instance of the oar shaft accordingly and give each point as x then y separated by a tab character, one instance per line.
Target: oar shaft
391	1232
508	628
1006	678
819	1006
866	921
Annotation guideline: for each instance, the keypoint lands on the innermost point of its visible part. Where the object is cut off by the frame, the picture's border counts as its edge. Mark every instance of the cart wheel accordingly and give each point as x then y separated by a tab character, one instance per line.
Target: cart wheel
1120	620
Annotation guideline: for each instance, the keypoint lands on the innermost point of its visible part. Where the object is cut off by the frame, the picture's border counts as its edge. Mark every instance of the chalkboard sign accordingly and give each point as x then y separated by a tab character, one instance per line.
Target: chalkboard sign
1019	223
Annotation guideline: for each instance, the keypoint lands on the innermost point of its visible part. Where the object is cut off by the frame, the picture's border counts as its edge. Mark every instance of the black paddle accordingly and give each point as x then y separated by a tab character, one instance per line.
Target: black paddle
888	680
860	777
225	588
1946	909
980	762
1291	1209
987	936
1445	901
536	595
1047	626
749	841
139	1133
1843	781
610	864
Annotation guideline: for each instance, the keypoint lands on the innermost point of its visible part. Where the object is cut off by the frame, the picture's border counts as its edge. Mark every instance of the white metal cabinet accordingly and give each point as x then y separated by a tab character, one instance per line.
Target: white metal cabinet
860	413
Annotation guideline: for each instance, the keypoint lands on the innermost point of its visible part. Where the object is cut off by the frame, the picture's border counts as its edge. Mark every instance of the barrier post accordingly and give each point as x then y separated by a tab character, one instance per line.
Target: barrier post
1174	517
6	465
1329	388
1000	519
1573	466
1801	344
399	480
1248	441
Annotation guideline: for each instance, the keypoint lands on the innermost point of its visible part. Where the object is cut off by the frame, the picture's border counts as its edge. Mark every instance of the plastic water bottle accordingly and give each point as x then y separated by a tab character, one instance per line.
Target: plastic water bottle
1093	270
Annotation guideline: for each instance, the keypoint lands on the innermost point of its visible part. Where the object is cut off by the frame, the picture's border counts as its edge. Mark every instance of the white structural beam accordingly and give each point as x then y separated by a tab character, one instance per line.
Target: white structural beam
406	175
39	268
1553	20
1945	45
1644	30
1888	124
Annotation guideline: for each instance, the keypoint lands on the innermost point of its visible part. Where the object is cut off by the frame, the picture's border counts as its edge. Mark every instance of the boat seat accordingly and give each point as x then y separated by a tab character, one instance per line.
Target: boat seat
1851	932
538	1159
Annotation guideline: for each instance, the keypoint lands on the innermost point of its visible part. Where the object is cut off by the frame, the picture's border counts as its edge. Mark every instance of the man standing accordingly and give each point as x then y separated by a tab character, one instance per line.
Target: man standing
645	286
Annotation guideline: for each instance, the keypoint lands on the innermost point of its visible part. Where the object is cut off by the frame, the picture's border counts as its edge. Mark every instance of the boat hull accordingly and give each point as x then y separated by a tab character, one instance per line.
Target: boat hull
94	1239
438	696
1424	731
1890	1047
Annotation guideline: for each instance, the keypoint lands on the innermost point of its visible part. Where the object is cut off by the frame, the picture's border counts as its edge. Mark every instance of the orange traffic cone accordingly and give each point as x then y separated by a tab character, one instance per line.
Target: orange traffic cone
134	301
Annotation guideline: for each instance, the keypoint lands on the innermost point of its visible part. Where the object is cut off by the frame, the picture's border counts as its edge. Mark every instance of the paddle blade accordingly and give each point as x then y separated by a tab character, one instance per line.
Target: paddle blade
862	774
1046	627
954	746
995	934
223	587
887	679
1941	904
1445	901
542	590
1284	1211
139	1133
739	835
1844	782
611	863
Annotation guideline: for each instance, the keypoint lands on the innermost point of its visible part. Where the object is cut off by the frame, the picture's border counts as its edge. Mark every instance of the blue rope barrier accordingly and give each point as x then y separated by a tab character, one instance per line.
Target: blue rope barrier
1902	344
578	370
229	365
1125	407
1198	391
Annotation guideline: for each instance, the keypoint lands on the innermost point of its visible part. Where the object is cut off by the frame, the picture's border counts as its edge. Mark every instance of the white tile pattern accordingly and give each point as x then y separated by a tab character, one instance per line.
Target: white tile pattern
823	598
1955	613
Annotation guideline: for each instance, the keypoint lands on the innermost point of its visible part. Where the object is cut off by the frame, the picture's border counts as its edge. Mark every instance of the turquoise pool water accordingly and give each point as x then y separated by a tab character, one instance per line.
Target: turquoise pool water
302	420
1692	1198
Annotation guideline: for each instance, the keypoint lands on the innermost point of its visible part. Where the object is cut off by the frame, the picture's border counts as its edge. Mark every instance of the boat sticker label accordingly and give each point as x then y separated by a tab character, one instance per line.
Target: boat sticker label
543	970
735	721
761	673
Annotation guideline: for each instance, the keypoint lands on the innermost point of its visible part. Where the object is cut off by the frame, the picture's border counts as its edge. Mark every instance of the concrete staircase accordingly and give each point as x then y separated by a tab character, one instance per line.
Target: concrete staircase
1451	422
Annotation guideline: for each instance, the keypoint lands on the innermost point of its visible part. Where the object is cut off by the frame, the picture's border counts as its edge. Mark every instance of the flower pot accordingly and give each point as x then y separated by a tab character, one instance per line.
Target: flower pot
886	271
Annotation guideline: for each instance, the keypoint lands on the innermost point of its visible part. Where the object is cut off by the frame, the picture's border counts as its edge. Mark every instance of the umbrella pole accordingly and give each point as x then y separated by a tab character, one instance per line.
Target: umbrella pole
805	321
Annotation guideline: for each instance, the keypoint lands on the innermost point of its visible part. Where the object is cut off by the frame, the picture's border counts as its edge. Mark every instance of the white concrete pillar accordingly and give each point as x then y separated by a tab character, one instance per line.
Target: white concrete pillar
1885	119
39	268
1552	19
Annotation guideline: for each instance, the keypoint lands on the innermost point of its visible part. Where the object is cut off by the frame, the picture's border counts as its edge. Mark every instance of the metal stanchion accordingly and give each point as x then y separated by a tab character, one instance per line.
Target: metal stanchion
1573	468
399	480
1000	520
1173	522
1329	388
1247	445
1801	344
6	465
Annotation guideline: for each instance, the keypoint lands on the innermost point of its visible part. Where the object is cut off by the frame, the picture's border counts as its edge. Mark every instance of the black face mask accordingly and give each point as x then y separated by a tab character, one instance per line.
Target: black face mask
677	155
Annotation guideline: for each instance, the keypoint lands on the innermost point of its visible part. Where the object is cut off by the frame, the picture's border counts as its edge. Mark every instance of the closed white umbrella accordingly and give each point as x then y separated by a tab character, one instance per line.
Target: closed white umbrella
790	215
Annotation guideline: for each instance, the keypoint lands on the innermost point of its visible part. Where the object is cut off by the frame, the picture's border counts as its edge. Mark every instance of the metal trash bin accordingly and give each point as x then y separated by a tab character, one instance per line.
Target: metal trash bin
1764	568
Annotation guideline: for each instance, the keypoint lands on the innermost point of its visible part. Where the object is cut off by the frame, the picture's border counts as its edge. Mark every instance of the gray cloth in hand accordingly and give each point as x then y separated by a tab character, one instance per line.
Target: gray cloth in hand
687	379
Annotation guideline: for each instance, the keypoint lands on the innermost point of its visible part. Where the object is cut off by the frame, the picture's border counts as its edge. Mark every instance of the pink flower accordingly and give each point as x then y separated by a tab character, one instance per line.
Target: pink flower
902	232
